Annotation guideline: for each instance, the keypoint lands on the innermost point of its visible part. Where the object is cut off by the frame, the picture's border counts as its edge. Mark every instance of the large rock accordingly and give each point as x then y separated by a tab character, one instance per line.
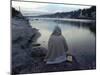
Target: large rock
39	52
22	37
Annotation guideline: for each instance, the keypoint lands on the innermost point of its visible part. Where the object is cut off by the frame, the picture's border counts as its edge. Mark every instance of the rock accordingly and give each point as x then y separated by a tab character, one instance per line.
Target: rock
22	37
39	52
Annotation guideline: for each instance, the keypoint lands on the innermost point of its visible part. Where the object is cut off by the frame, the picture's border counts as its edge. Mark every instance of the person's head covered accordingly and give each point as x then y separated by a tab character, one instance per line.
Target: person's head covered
57	31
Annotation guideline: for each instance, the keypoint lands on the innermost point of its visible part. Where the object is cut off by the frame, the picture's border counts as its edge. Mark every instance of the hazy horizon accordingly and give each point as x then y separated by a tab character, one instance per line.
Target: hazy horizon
35	9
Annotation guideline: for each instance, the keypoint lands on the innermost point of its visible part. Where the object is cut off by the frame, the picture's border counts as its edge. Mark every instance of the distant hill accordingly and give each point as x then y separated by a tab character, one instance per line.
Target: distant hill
89	13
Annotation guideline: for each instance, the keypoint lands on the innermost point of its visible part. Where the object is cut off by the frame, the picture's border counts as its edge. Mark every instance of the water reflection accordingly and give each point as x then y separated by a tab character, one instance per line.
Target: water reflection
80	38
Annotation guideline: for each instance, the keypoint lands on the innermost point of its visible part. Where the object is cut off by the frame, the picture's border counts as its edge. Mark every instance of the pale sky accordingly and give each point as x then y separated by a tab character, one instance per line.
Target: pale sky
44	8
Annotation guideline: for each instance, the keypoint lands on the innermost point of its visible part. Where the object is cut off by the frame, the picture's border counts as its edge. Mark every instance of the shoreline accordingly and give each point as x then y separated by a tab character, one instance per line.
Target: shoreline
62	19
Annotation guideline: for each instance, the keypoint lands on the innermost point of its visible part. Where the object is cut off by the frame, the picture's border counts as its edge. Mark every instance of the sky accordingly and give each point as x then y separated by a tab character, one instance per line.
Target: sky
31	8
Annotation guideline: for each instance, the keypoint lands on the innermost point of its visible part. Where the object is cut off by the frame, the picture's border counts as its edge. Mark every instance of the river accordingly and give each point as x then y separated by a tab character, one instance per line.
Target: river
80	39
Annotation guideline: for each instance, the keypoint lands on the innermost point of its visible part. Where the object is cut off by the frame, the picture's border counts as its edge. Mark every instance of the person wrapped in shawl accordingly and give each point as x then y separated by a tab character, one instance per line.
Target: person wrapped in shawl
57	48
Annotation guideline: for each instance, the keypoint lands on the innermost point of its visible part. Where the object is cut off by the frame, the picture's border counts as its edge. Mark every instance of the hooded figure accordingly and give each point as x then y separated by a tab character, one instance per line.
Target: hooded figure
57	48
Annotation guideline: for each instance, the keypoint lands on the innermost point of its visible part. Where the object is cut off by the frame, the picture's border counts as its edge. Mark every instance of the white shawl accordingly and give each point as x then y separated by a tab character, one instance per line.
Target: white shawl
57	48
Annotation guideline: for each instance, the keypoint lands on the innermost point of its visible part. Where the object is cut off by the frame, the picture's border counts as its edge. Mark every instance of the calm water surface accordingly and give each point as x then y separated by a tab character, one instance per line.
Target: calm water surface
80	39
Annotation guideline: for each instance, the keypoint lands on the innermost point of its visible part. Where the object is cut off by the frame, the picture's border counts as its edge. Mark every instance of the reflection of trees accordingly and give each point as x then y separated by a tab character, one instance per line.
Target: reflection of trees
90	25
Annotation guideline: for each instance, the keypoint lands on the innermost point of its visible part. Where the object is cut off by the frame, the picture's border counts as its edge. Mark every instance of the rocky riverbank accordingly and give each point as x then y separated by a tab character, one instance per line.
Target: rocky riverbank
23	35
27	55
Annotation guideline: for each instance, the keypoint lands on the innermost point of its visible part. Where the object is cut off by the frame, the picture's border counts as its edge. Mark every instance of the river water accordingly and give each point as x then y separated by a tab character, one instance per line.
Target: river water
80	39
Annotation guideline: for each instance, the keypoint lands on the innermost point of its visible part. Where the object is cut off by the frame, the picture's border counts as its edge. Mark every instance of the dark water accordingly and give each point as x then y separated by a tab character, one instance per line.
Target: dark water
80	39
